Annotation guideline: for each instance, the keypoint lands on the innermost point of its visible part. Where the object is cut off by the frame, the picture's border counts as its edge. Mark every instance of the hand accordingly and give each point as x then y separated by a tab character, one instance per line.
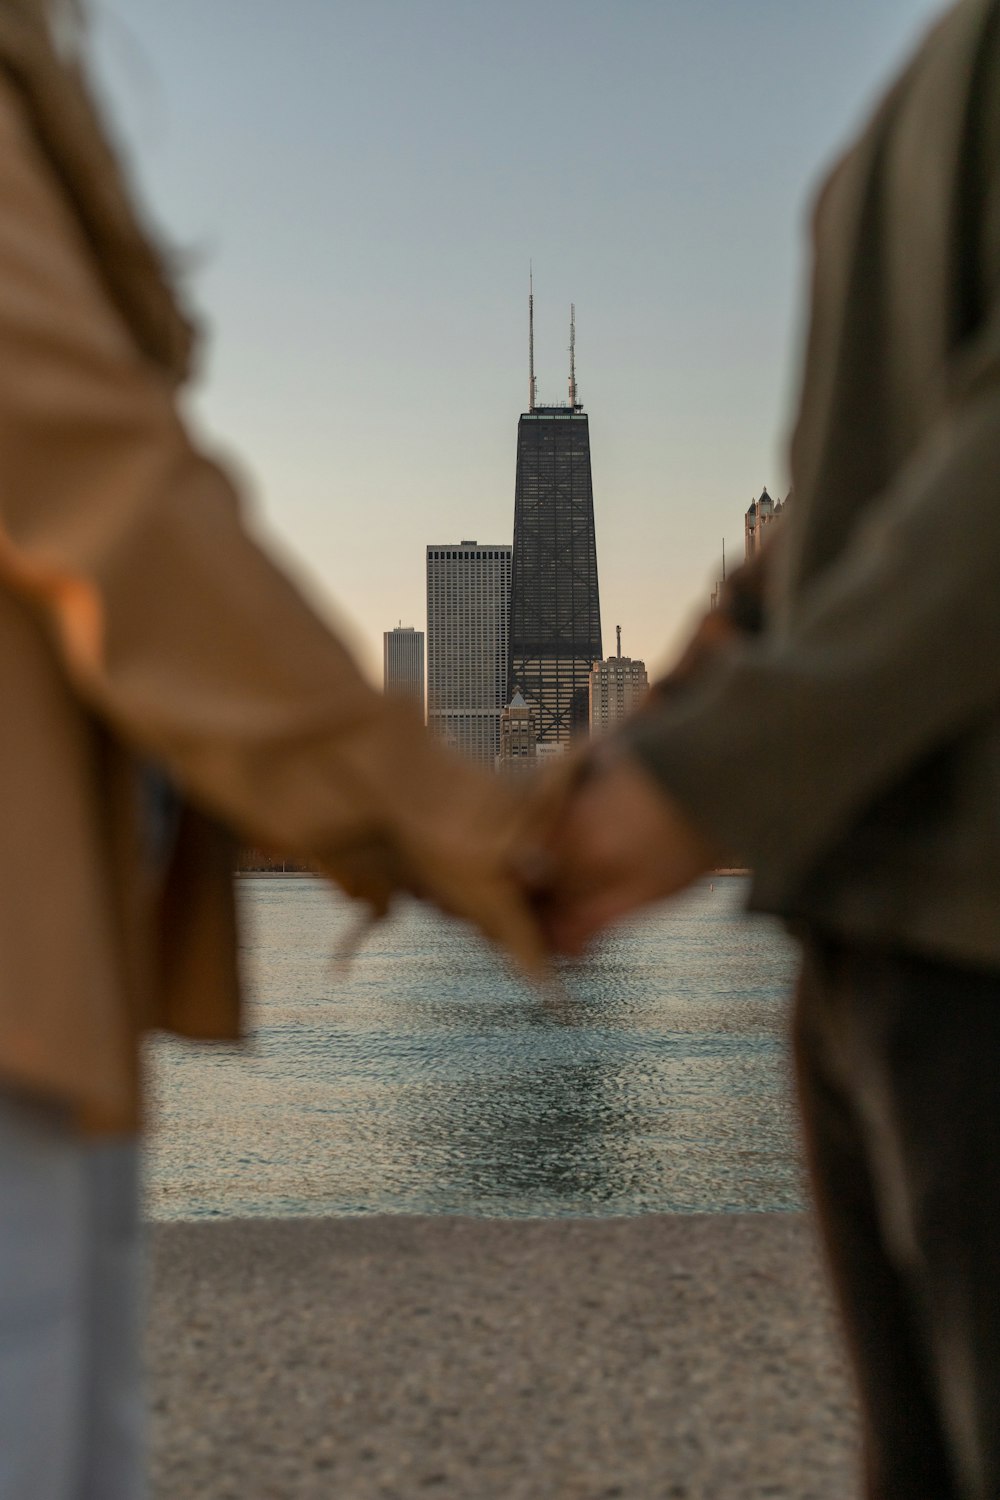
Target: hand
462	854
619	843
438	828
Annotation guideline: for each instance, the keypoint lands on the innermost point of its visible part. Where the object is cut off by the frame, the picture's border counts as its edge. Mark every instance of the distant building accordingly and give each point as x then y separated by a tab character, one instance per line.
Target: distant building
468	610
403	664
762	513
617	687
716	596
256	861
518	735
555	615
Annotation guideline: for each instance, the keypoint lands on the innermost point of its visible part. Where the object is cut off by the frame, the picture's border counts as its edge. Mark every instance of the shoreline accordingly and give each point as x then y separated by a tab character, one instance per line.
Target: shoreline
315	875
385	1358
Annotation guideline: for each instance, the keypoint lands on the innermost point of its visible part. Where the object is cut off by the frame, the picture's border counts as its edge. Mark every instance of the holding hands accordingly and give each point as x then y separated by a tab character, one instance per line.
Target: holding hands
539	869
615	842
542	865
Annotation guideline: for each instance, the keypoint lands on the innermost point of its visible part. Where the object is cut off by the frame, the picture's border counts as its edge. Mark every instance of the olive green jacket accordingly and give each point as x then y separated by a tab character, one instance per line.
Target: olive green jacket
850	751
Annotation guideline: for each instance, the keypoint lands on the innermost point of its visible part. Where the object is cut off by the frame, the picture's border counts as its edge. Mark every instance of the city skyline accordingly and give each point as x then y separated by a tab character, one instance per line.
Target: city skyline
363	244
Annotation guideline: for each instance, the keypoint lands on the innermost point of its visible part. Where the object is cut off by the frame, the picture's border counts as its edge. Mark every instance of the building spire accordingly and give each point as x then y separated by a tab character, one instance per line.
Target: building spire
618	632
572	356
531	338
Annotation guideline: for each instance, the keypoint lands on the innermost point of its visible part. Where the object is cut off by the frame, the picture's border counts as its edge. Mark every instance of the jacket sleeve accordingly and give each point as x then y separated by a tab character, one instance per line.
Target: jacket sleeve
891	654
174	627
739	613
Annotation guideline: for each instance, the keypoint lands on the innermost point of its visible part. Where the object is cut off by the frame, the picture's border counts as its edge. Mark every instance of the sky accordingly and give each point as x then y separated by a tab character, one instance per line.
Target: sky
355	189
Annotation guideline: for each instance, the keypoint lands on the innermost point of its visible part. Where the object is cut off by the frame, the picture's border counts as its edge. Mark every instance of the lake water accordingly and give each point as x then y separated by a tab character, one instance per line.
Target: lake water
427	1080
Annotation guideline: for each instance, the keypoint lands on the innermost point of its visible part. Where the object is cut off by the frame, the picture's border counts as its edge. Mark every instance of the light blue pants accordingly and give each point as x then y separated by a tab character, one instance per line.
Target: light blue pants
71	1400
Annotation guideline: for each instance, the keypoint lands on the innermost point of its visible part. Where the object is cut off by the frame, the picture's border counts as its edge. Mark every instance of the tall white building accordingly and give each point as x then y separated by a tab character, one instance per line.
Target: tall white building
617	687
403	663
468	614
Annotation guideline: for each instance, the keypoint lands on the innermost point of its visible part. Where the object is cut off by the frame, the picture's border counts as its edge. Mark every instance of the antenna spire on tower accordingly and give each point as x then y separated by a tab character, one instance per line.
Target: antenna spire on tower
618	632
572	356
531	338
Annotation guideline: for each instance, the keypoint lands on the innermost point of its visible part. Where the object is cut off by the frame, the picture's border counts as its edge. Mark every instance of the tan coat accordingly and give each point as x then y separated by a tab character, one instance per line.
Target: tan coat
140	623
851	751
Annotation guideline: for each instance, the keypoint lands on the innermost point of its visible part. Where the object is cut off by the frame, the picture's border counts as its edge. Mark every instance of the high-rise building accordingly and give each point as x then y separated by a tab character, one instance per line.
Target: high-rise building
468	604
403	663
518	736
555	614
762	513
617	687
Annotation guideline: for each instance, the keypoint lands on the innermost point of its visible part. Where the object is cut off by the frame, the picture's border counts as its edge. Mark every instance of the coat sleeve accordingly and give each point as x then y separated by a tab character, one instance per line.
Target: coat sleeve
892	654
173	626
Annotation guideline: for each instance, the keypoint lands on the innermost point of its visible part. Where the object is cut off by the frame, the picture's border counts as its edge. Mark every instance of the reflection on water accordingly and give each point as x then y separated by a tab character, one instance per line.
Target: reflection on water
429	1081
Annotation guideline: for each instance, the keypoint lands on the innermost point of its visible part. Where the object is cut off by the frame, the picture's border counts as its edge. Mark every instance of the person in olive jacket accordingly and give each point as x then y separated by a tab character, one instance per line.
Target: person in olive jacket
840	734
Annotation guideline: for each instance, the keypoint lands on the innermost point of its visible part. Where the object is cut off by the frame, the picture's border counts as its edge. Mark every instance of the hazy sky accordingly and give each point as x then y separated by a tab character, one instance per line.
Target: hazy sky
359	185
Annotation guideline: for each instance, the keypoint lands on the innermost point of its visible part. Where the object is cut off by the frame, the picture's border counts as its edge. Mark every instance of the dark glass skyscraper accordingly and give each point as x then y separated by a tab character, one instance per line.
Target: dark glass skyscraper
555	614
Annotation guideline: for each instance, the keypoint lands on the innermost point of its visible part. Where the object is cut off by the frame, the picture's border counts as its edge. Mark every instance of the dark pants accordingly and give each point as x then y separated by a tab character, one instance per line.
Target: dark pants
898	1063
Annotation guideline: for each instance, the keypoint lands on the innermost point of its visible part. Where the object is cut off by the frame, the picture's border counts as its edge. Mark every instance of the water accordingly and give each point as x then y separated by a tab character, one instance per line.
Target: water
429	1081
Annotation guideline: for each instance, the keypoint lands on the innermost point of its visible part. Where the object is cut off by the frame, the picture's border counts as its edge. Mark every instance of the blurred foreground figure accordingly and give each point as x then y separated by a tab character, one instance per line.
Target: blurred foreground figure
143	633
837	727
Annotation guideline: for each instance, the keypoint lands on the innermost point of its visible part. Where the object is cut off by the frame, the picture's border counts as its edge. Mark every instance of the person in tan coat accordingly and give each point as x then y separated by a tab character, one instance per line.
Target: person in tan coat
164	691
841	735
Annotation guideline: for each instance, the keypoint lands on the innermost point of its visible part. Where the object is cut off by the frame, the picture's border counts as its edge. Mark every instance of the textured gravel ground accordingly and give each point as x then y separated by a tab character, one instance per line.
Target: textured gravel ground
496	1360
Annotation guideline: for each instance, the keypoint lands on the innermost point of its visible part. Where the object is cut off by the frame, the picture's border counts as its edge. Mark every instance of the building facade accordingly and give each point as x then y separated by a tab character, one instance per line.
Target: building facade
403	664
617	687
555	618
468	608
762	513
518	736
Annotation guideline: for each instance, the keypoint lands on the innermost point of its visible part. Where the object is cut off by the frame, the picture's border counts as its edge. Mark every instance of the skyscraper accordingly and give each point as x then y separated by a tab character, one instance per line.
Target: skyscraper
555	615
403	663
518	736
762	513
468	604
617	688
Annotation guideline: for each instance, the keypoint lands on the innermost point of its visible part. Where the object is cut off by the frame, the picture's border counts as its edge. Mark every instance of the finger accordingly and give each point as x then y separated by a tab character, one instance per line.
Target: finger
533	868
572	927
502	914
347	949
